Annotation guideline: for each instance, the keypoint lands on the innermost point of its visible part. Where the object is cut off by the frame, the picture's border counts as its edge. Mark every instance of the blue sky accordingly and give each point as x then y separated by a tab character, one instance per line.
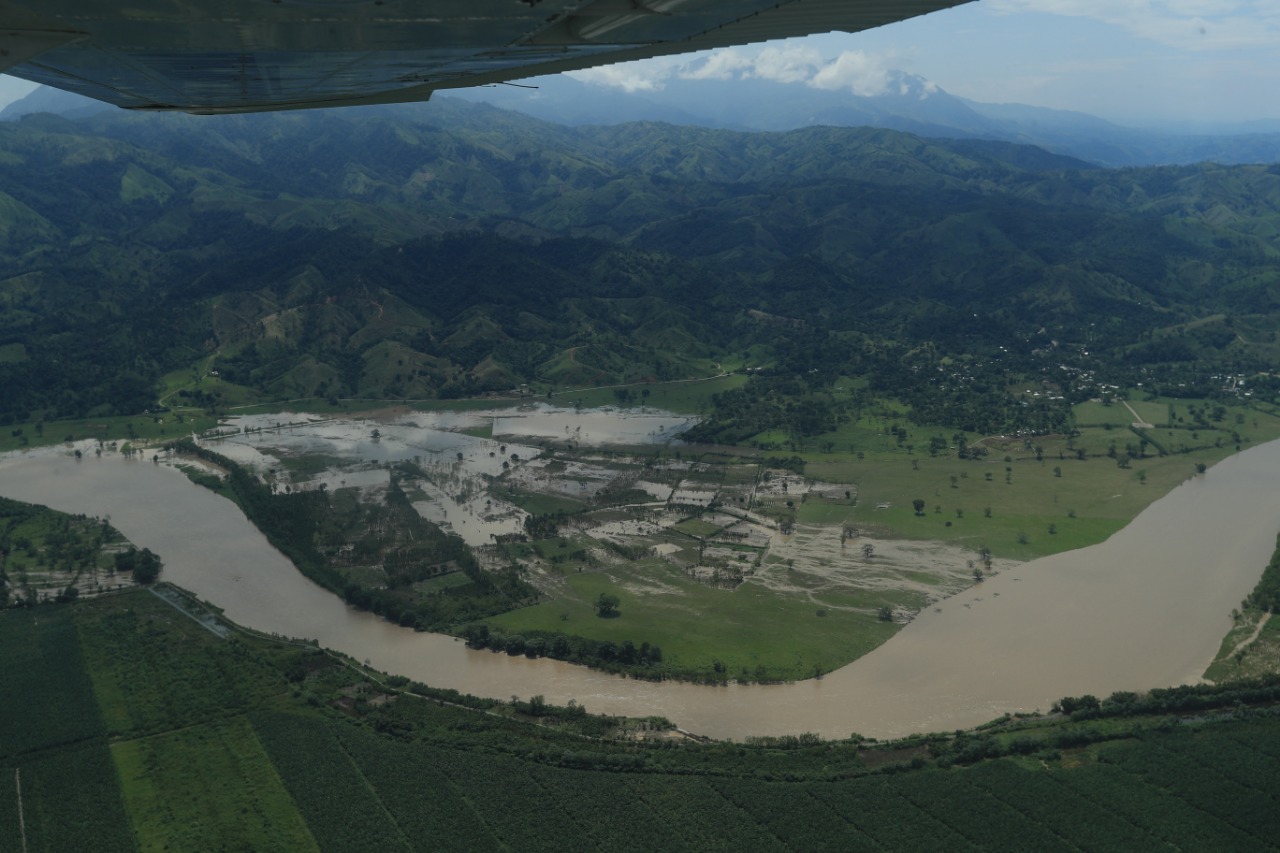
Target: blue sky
1132	61
1135	62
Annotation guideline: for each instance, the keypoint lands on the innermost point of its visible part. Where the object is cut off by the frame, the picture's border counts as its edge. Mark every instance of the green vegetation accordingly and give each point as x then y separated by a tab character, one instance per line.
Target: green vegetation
372	554
1251	648
1006	486
52	738
819	266
317	753
230	794
47	554
704	633
946	341
1266	595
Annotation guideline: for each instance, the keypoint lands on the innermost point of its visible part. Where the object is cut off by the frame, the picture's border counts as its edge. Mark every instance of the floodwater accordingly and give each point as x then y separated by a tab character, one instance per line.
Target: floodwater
593	427
456	464
1147	608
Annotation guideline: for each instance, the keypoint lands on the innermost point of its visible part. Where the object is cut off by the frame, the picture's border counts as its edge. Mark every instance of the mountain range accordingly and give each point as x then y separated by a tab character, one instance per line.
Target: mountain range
908	103
452	248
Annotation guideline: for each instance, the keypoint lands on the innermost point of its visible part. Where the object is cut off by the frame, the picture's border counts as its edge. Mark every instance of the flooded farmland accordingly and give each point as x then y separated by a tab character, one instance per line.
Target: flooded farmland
455	461
1146	608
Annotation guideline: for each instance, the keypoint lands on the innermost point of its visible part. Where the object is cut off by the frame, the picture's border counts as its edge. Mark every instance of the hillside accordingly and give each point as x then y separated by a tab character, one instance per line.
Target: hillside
449	249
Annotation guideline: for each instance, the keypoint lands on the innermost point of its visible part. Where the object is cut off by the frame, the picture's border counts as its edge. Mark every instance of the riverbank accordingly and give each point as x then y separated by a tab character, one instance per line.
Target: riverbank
1146	609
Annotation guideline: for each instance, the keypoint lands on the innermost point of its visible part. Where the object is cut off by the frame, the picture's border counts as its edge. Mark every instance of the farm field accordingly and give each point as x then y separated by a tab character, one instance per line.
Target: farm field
702	544
324	755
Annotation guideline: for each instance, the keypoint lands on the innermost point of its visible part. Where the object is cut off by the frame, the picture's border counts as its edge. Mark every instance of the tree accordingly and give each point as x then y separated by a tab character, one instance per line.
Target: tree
918	505
607	605
867	550
144	564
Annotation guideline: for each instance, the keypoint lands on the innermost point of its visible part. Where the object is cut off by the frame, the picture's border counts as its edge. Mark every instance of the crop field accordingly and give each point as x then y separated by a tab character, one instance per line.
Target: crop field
51	733
300	769
71	799
344	811
153	670
207	786
48	695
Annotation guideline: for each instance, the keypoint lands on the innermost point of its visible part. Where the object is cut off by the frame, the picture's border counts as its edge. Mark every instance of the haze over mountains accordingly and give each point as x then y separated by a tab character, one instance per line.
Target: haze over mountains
908	103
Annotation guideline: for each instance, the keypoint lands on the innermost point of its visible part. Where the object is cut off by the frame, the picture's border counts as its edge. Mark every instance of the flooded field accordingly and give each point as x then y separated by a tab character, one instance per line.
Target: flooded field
456	461
1146	608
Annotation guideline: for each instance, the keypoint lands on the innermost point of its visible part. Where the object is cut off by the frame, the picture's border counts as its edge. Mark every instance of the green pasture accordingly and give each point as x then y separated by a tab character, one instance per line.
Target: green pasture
441	582
750	631
1026	484
1025	498
538	504
116	429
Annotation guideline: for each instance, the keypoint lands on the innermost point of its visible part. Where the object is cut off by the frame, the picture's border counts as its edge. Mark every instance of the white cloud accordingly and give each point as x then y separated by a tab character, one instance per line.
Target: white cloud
646	75
790	62
861	73
718	65
786	63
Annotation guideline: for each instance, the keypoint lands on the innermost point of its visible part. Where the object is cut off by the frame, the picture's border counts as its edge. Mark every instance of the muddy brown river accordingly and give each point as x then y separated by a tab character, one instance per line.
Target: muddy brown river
1146	608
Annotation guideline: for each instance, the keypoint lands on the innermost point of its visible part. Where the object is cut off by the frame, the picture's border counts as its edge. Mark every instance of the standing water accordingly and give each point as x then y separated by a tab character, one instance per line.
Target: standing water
1147	608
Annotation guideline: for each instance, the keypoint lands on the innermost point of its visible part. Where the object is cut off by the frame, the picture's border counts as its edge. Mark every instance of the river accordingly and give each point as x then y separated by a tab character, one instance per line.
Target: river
1146	608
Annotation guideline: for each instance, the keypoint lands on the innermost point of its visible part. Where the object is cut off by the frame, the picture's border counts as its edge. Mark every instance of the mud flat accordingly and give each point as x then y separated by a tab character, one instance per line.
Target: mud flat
1146	608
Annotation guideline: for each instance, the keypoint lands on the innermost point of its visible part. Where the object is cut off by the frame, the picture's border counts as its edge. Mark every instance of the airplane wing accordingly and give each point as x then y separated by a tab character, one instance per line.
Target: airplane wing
226	56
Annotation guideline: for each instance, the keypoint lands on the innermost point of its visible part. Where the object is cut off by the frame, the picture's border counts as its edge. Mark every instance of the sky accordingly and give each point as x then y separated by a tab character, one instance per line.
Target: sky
1135	62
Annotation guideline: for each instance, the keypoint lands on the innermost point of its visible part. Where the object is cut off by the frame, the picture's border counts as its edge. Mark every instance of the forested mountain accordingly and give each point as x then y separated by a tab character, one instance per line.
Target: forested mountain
448	248
904	102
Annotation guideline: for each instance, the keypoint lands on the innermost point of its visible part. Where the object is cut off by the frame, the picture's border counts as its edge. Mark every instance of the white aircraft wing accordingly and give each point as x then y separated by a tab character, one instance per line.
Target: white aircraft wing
222	56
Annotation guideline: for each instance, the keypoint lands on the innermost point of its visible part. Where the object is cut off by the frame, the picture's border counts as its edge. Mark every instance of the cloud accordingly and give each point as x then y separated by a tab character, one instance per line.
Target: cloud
790	62
718	65
786	63
646	75
1193	25
862	74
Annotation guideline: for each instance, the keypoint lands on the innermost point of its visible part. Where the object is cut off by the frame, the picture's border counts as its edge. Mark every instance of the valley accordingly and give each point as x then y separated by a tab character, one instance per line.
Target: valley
494	464
699	547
